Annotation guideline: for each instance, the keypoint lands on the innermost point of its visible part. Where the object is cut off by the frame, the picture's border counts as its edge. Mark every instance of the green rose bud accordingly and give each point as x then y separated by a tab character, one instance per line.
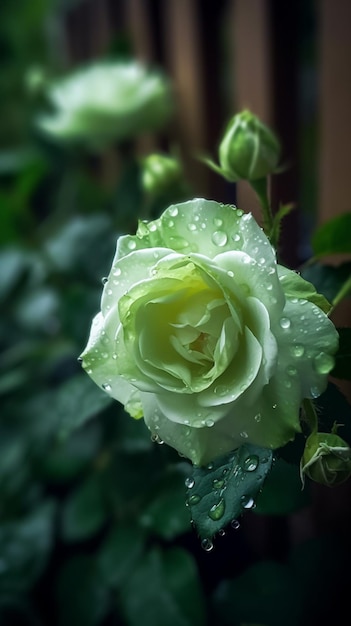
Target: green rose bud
248	151
206	336
326	459
107	102
160	173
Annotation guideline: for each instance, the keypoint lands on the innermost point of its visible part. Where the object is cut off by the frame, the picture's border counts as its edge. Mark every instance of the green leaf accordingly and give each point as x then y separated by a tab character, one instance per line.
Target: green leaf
327	279
75	402
84	511
183	581
342	367
266	593
154	596
166	514
333	237
226	488
297	287
25	544
119	554
82	598
282	493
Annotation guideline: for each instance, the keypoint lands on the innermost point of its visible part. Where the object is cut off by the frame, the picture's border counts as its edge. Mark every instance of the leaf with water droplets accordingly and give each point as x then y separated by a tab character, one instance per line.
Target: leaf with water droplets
226	488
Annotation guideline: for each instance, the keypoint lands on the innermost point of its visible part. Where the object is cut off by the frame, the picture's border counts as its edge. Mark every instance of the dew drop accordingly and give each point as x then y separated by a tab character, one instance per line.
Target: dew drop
323	363
80	359
221	532
106	387
209	423
274	406
216	511
178	243
117	271
218	222
315	392
291	370
244	434
236	237
192	227
247	502
239	212
251	463
194	499
230	274
104	280
285	323
218	483
131	245
157	439
209	466
297	350
219	238
207	545
235	524
221	390
152	227
173	211
258	417
189	482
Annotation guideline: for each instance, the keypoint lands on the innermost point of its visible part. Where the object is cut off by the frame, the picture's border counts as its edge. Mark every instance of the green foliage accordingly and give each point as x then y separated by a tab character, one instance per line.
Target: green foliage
333	237
221	492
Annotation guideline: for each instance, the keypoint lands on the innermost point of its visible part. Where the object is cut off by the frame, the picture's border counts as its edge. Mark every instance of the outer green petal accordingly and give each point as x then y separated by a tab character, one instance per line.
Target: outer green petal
99	363
307	341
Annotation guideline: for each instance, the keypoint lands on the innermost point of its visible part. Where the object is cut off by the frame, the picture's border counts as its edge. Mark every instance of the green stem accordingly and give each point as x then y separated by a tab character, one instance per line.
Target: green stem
310	415
260	188
343	291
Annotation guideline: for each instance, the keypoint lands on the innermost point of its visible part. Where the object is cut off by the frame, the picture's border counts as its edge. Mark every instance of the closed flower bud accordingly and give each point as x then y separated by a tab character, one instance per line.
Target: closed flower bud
160	173
326	459
249	150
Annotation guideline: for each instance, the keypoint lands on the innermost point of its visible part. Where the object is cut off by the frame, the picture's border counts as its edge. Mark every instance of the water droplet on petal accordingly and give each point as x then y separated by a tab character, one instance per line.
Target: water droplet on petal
230	274
131	245
173	211
152	227
323	363
244	434
258	417
209	423
106	387
297	350
157	439
221	390
104	280
221	532
117	271
216	511
236	237
285	323
192	227
218	222
189	482
80	359
315	392
209	466
219	238
207	545
251	463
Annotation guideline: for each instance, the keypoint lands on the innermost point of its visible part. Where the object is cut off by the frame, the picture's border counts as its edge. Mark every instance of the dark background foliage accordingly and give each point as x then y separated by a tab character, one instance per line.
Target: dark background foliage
94	530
